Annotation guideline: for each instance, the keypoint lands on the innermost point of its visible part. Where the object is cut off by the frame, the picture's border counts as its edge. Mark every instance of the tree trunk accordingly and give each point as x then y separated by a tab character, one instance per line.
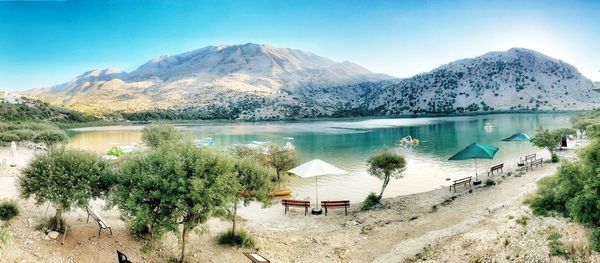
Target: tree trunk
234	218
385	183
278	172
58	219
183	236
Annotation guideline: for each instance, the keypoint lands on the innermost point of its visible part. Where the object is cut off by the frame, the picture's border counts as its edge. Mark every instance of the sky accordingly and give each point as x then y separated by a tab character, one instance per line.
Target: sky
43	43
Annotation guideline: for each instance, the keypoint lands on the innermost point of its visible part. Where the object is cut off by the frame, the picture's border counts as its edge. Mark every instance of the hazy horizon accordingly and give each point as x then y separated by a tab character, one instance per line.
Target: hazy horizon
47	43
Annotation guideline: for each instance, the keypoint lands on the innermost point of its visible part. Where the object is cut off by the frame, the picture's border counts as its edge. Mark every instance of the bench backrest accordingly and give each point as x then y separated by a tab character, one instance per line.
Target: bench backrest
97	217
496	167
462	180
295	202
333	203
530	157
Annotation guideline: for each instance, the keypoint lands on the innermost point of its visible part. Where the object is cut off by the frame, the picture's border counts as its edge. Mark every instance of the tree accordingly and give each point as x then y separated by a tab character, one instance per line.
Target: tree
253	184
282	159
155	134
386	165
65	178
593	130
173	185
51	137
549	139
241	151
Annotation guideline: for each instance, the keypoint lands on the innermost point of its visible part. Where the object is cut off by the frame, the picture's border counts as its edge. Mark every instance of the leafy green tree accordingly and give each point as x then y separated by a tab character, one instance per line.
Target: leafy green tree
155	134
550	139
65	178
282	159
173	185
593	130
253	184
243	151
386	165
51	137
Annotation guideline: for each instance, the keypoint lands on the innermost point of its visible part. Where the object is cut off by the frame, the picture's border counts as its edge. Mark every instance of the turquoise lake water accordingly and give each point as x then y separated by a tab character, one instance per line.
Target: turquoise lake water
348	144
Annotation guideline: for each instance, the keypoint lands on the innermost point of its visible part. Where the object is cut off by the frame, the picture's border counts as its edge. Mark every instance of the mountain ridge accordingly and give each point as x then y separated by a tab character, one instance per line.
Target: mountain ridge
254	81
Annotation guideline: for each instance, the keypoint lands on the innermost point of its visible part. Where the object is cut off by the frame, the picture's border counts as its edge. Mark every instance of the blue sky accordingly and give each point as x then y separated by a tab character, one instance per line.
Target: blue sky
49	42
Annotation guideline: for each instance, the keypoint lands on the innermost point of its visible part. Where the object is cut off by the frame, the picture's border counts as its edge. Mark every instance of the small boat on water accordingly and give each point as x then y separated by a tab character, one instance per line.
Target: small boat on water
409	140
128	148
488	126
288	138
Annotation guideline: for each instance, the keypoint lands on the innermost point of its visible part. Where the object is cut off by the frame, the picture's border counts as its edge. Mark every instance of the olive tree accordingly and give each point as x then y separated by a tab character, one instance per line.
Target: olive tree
253	184
386	165
282	159
174	185
65	178
549	139
155	134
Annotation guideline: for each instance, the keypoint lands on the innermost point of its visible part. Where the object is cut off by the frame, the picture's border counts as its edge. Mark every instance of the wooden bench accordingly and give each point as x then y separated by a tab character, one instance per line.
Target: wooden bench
465	181
296	203
255	257
530	158
534	163
336	204
101	223
496	168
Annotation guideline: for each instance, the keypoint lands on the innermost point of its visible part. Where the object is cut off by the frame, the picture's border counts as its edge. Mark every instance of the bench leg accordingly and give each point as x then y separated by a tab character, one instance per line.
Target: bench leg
305	211
88	218
325	211
346	210
99	229
110	229
285	209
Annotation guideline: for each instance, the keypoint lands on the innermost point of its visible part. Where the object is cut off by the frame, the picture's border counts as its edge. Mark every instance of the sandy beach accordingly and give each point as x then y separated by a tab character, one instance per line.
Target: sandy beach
435	226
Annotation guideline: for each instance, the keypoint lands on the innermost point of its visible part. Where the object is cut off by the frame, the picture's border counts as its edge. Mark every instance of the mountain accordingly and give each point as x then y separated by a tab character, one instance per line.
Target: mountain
254	81
210	76
517	79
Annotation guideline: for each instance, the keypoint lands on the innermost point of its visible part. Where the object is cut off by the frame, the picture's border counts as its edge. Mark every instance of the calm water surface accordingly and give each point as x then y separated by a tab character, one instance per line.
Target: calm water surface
348	144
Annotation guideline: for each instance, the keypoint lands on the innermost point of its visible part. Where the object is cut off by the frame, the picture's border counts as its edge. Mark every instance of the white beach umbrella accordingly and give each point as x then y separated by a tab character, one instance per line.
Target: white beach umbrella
316	168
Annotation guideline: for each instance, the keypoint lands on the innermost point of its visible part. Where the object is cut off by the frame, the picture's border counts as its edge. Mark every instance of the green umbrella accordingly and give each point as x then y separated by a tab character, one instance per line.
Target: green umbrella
518	137
475	151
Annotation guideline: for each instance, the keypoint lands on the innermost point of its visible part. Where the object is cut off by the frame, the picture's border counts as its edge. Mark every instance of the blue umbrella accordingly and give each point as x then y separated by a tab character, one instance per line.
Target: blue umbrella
475	151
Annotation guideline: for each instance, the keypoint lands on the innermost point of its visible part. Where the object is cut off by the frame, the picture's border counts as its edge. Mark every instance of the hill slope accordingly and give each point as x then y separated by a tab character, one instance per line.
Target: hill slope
261	82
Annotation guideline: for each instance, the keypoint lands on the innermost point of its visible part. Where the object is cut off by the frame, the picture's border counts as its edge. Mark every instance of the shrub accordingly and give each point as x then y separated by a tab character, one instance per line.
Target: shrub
595	239
522	220
554	158
241	239
51	137
490	182
9	137
155	134
8	210
25	134
371	200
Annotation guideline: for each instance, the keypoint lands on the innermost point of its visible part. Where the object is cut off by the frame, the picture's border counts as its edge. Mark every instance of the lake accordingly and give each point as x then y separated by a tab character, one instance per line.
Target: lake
348	144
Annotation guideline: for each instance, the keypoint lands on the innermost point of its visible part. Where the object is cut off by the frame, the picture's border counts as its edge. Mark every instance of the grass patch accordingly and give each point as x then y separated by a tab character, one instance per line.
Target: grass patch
522	220
5	236
371	200
8	210
595	239
240	239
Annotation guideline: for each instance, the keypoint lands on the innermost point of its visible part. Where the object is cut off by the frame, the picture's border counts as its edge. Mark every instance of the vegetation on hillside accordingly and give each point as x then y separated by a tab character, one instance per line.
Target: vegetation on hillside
35	110
574	191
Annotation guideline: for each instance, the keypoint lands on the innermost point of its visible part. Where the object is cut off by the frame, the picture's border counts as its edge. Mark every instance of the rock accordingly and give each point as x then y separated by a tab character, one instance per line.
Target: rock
47	238
53	234
366	229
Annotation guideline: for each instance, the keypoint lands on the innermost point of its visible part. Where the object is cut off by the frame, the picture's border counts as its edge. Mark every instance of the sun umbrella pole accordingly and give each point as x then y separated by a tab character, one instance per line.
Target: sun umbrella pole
476	178
317	190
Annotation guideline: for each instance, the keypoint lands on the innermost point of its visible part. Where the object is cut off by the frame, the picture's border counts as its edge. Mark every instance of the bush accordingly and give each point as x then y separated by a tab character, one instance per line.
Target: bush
8	210
9	137
155	134
595	239
50	224
51	137
490	182
371	200
554	158
241	239
25	134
